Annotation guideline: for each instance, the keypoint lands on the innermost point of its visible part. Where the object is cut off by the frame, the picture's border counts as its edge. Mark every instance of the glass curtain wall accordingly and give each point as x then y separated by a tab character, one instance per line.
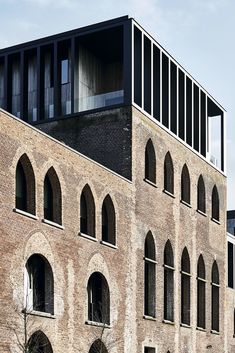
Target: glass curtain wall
32	87
15	92
48	84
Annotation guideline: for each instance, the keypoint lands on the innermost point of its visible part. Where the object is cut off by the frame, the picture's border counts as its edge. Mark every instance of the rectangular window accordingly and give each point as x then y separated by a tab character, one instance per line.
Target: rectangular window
181	105
196	117
156	83
203	124
230	265
64	71
165	90
147	75
173	98
149	350
138	67
189	111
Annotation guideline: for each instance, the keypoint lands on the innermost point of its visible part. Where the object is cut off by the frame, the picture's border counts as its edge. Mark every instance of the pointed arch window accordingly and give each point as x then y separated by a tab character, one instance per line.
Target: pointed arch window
108	221
185	287
150	162
215	297
168	282
201	195
87	212
215	204
168	174
39	284
25	186
149	276
98	347
185	185
52	197
201	293
98	299
39	342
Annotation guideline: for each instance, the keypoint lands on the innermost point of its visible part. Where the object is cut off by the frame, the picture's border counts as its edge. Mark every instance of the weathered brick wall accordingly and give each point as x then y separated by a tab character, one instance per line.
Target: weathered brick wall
103	136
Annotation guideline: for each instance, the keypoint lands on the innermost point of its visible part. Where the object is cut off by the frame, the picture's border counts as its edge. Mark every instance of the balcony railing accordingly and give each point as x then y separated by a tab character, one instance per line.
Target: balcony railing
101	100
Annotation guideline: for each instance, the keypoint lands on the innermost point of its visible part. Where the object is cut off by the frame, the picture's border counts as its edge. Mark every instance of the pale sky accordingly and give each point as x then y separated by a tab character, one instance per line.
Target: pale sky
199	34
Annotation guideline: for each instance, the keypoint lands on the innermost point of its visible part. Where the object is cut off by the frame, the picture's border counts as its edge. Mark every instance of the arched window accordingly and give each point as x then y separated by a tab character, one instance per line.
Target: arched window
234	323
168	282
52	197
168	174
201	195
25	185
150	162
215	203
98	347
201	293
185	287
98	299
185	185
87	212
215	297
149	275
39	343
108	221
39	286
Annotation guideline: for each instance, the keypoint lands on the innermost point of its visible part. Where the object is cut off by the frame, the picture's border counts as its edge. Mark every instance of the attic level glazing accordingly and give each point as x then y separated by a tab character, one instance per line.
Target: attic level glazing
110	64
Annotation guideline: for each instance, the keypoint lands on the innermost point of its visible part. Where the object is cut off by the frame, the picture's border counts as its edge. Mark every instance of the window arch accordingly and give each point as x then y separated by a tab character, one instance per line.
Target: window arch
39	343
52	197
168	282
108	221
185	185
215	203
39	294
98	347
201	293
168	174
98	299
201	195
149	275
25	185
185	287
150	162
87	212
215	297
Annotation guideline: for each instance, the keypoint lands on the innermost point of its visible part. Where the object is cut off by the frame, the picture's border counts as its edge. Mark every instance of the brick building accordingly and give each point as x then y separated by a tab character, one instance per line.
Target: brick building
113	189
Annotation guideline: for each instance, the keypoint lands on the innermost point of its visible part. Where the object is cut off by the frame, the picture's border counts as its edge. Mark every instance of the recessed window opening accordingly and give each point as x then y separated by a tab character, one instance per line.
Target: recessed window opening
147	75
230	265
48	84
15	85
87	212
52	197
201	293
203	124
137	66
39	342
149	350
196	117
215	298
181	108
98	299
156	82
108	221
64	51
233	322
168	282
173	90
2	96
201	195
99	70
168	174
215	204
165	90
150	162
215	134
185	185
98	347
31	61
39	294
149	276
189	111
185	288
25	186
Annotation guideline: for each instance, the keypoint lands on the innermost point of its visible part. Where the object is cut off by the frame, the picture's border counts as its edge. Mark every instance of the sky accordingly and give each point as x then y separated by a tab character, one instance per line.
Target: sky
199	34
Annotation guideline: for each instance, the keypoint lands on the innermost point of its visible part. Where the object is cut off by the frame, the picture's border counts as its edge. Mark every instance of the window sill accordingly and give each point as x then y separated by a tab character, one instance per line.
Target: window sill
168	322
41	313
215	332
150	182
185	325
202	213
53	224
215	220
99	324
151	318
23	213
200	329
186	203
108	244
86	236
168	193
